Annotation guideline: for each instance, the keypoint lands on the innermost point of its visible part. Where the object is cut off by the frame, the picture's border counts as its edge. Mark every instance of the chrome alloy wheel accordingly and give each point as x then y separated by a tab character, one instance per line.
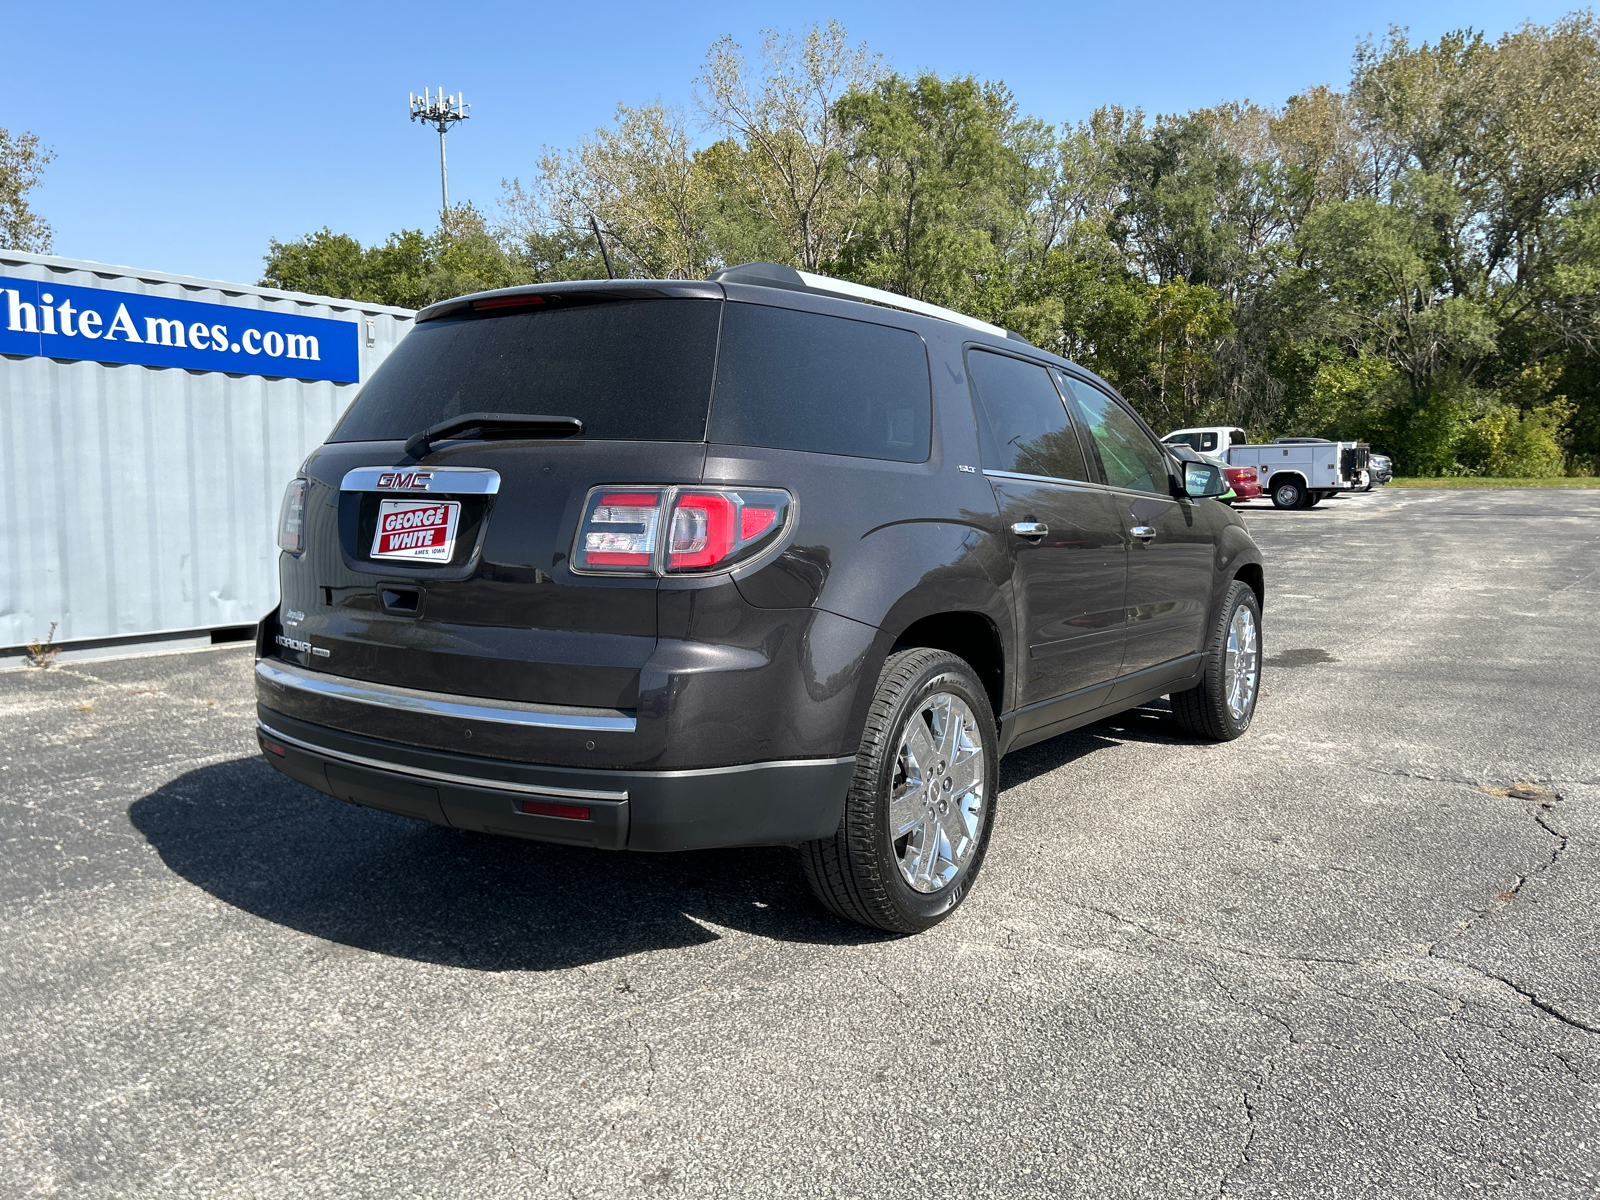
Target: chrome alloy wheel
1241	663
937	797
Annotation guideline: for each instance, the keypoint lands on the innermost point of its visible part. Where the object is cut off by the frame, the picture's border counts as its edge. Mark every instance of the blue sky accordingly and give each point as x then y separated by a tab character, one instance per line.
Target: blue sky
187	135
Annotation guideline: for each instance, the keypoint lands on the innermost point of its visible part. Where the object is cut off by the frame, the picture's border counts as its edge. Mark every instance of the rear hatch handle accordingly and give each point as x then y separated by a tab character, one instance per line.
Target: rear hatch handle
492	425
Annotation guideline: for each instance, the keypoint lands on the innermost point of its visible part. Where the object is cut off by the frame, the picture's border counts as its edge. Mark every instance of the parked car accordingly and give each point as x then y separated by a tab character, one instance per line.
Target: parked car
663	565
1380	470
1241	480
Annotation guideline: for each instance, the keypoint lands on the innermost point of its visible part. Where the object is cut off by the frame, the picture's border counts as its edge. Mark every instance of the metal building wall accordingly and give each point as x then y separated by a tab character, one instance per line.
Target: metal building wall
140	500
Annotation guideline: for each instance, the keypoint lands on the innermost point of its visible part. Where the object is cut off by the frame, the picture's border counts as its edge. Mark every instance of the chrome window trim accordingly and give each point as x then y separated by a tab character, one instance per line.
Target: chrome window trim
502	785
1104	487
1141	494
450	481
1094	483
433	704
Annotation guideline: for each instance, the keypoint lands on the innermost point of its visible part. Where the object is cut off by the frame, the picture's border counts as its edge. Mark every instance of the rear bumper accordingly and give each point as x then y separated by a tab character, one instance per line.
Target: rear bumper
753	804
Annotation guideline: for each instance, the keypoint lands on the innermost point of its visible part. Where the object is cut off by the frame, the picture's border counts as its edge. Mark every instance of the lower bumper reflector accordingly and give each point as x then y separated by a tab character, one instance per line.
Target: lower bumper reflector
542	808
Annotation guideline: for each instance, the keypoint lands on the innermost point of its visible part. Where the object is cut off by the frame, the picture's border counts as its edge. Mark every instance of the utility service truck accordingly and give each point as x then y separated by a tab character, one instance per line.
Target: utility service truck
1295	472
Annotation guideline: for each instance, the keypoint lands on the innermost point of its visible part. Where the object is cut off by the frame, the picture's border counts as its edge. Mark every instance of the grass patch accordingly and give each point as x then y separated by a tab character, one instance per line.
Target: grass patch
1476	481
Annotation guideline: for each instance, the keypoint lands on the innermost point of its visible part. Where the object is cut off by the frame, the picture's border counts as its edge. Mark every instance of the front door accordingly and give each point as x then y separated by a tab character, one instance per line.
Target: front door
1170	552
1069	552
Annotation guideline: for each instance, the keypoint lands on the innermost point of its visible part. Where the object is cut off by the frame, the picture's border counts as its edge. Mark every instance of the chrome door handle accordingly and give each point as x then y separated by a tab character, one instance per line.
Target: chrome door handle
1143	532
1030	529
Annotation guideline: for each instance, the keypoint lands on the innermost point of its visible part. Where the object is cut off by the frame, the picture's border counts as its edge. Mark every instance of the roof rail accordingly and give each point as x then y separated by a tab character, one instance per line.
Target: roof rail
769	274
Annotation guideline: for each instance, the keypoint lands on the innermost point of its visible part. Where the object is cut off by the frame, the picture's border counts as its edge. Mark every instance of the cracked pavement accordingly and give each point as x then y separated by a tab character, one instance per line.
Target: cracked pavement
1355	953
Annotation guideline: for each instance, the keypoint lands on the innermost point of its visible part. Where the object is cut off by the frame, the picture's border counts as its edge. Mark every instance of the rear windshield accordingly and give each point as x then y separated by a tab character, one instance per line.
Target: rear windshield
644	370
795	380
628	369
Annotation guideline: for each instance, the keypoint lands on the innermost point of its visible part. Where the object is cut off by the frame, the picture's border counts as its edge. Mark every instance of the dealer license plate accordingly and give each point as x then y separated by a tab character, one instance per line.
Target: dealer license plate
417	529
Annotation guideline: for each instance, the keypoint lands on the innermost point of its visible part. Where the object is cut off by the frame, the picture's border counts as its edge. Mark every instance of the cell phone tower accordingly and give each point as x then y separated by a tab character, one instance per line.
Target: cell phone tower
441	112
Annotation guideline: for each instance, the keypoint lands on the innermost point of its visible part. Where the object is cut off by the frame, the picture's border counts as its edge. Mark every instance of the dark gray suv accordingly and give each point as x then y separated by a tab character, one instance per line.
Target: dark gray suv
766	559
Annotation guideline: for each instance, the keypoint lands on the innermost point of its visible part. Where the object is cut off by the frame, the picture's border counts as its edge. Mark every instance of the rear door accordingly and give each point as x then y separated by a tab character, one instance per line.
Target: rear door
1171	552
1066	539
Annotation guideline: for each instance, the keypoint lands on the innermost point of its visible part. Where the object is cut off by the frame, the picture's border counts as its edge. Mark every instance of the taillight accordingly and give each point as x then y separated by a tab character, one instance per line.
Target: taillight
292	517
676	531
703	525
619	532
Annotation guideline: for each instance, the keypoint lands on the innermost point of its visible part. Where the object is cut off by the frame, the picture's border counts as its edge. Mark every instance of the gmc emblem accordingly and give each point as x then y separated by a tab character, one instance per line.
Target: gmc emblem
405	479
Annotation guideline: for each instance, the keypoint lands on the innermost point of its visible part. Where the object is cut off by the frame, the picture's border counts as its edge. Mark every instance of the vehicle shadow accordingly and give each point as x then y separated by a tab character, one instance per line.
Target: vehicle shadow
357	877
1151	722
394	886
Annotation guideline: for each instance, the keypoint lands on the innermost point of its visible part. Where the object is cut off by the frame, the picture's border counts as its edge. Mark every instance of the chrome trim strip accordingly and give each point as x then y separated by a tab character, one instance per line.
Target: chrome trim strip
499	785
689	772
1041	478
447	481
1121	491
432	704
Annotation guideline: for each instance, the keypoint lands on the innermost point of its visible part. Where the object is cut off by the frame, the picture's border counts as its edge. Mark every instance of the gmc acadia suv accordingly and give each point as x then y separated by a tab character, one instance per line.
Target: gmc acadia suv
770	558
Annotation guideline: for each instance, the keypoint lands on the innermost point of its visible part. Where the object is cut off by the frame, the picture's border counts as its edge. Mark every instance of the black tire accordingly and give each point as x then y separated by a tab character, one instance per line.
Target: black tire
856	872
1289	493
1204	710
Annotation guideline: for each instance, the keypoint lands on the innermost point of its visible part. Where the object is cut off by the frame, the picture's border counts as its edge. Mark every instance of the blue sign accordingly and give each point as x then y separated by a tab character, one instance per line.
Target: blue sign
59	321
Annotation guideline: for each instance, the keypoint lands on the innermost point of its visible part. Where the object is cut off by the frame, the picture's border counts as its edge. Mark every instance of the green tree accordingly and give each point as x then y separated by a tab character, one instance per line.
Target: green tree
785	146
640	180
22	161
322	263
942	170
409	269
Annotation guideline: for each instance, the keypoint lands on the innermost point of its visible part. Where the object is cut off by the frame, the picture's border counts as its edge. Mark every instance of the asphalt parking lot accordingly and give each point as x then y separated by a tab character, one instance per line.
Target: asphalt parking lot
1356	953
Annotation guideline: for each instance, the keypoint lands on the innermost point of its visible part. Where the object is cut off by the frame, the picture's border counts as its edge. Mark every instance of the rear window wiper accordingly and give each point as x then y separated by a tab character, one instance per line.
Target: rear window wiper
492	425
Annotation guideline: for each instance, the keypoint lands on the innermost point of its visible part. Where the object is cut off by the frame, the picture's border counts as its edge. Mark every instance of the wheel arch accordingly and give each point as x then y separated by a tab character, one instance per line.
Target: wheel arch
972	637
1252	576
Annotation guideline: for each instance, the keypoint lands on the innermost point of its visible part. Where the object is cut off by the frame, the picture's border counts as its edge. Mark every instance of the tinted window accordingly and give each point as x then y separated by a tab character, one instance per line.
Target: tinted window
1191	440
1022	425
803	381
1128	458
629	369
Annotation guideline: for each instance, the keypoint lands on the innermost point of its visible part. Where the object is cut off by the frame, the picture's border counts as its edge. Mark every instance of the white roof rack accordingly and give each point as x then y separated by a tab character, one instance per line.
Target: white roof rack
856	291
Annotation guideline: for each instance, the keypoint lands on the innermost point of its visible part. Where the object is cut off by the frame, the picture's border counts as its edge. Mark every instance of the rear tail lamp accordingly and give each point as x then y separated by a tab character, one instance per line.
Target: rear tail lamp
292	517
676	531
620	531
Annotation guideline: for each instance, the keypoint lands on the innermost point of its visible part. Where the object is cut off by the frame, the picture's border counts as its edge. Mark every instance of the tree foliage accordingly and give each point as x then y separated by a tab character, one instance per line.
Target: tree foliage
1414	259
22	160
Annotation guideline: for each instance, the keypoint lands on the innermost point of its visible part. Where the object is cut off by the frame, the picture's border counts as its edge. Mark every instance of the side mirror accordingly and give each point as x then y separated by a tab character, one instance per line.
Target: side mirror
1203	479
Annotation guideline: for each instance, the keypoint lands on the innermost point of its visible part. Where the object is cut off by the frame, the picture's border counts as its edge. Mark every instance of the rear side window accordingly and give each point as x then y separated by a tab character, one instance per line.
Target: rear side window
1022	424
628	369
795	380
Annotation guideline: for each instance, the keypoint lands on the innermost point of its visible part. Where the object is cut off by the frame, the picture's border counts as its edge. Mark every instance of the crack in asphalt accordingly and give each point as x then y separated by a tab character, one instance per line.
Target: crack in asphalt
1528	994
1218	946
1248	1096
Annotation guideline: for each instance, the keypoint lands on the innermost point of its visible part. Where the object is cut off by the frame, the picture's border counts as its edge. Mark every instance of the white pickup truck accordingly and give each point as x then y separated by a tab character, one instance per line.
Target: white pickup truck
1295	472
